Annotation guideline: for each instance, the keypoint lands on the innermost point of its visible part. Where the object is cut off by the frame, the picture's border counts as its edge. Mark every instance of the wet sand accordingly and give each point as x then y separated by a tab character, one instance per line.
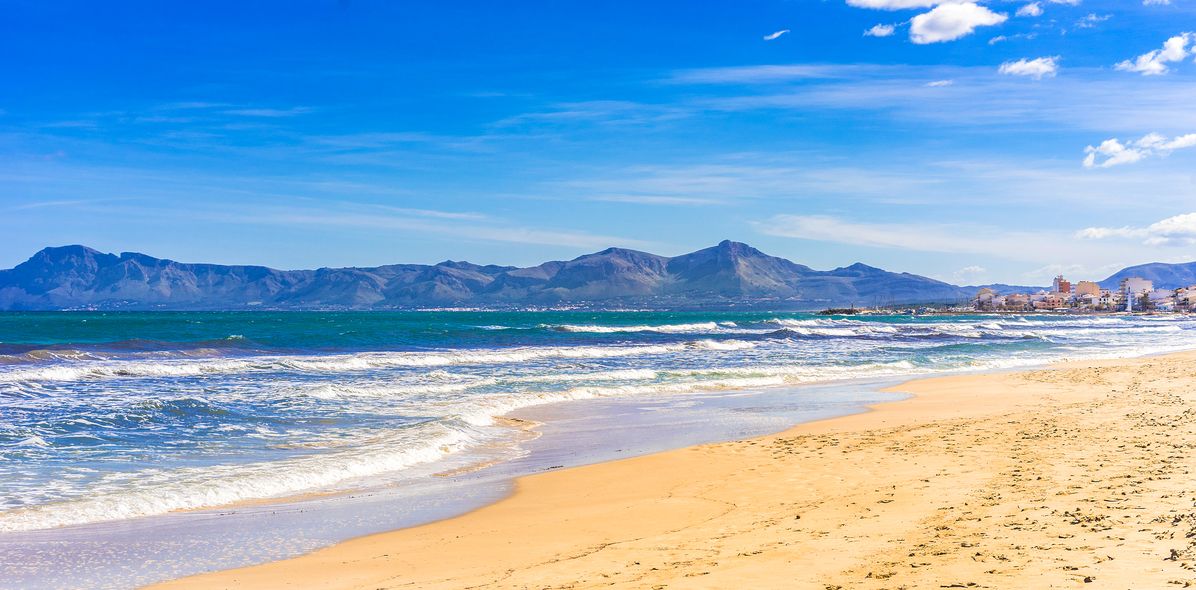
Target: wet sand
1076	476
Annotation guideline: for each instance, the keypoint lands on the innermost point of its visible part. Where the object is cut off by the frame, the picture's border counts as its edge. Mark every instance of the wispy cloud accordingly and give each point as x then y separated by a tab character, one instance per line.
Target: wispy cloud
1016	36
72	124
597	111
71	203
762	74
1088	99
776	35
419	222
939	183
893	4
1056	248
193	104
1091	20
269	113
918	237
744	178
655	199
433	213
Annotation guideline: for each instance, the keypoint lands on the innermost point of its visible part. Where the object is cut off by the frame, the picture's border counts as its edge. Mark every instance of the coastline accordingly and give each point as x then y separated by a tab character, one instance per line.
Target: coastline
876	498
120	555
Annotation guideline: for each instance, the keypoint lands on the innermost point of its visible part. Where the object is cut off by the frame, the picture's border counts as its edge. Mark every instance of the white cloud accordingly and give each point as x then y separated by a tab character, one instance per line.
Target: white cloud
1067	2
940	83
1156	2
1115	153
969	274
1038	68
1179	230
1154	63
1101	233
1092	19
776	35
948	22
1031	9
880	31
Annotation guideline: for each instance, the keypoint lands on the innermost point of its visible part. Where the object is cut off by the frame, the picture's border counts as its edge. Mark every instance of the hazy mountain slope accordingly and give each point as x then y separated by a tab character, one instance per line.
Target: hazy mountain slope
1003	289
73	276
869	286
1165	276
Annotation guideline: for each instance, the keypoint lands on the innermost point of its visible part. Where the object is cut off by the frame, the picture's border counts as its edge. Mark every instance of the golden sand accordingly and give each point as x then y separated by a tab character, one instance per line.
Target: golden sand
1079	476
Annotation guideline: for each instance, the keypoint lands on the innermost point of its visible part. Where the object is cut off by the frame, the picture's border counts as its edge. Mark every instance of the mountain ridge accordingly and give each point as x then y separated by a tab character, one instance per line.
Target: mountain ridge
729	274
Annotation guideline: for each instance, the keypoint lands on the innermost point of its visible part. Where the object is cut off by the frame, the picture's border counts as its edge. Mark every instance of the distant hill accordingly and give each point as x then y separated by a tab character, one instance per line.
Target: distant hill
1164	276
730	274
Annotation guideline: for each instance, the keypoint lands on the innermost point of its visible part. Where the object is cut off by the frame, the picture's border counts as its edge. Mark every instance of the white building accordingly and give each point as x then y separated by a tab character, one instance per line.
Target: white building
1136	285
1162	299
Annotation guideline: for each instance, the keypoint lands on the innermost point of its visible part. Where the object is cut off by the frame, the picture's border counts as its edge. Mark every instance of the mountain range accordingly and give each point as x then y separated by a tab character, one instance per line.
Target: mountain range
730	274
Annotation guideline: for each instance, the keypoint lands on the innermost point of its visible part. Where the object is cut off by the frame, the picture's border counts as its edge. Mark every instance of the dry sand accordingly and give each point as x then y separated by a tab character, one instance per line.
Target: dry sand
1078	476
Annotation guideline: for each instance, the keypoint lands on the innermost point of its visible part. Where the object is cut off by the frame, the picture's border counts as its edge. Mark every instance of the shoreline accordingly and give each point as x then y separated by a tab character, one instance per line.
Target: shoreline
562	515
581	432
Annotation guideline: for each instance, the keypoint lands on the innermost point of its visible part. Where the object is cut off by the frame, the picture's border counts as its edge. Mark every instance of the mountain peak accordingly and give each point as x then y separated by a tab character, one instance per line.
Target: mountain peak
66	256
737	249
616	251
858	268
68	250
735	269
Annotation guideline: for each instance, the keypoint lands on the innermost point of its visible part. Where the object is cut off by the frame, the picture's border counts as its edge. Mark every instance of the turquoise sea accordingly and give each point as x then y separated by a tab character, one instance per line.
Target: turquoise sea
122	417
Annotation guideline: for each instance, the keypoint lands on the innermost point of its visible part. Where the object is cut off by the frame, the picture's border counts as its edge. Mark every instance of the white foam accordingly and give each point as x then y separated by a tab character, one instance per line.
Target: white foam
340	391
724	344
154	491
339	363
699	328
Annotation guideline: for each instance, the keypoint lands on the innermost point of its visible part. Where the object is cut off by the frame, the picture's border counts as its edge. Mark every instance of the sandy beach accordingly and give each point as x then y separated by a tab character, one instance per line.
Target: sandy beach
1074	476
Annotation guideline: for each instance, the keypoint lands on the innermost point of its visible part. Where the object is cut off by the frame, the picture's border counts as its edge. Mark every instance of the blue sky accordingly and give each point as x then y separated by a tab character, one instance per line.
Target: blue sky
972	142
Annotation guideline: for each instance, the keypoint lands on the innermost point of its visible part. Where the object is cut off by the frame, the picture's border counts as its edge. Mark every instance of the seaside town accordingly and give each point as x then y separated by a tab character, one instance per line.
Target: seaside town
1133	294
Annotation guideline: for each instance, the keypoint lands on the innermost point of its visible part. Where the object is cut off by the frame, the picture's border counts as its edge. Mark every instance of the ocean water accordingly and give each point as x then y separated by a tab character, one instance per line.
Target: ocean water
106	417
